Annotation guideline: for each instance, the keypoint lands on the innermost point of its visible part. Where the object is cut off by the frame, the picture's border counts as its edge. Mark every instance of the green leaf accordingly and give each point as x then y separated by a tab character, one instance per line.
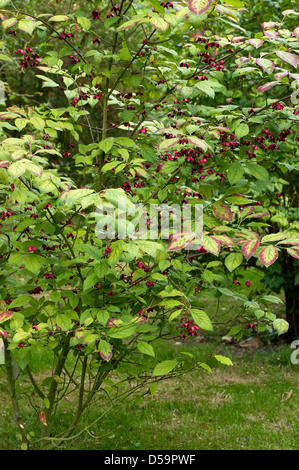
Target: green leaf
103	317
35	170
125	141
281	326
92	251
122	331
90	281
172	293
233	261
101	269
3	3
27	26
258	171
153	387
17	168
223	359
170	303
205	366
84	22
235	173
243	71
110	166
145	348
272	298
148	153
75	195
201	319
106	144
164	368
117	249
23	358
63	322
164	264
20	336
229	293
5	57
21	123
174	315
234	3
20	301
157	6
47	82
32	262
206	89
242	130
235	330
46	403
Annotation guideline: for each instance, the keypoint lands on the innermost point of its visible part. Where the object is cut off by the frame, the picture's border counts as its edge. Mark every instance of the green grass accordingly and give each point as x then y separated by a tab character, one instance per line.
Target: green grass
239	407
251	405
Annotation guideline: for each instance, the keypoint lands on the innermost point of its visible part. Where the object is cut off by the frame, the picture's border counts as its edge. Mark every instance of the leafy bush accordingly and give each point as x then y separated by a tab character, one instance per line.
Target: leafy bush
160	104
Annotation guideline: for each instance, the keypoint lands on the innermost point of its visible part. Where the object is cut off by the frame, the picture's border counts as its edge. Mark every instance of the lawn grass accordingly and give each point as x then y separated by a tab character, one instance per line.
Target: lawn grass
252	405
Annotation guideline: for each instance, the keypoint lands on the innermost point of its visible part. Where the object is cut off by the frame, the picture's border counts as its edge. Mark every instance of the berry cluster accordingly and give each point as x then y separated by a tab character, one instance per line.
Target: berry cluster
96	14
167	5
74	60
189	327
65	35
247	283
30	58
211	61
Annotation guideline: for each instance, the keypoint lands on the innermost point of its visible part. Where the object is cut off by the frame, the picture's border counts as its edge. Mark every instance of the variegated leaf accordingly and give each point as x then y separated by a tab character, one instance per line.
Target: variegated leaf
293	251
211	245
222	212
288	57
180	241
4	316
198	7
268	255
250	247
166	144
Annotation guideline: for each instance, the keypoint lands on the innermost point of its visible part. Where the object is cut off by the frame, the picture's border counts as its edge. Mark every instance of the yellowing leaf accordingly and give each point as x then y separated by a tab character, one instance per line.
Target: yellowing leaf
59	18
